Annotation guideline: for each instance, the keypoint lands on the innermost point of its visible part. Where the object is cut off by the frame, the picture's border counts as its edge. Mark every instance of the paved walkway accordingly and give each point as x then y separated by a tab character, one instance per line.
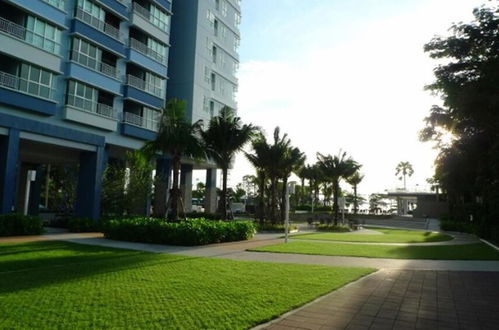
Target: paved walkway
403	299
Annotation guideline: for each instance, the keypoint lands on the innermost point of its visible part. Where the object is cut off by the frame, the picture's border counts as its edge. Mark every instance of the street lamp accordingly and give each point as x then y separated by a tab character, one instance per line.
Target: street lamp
290	189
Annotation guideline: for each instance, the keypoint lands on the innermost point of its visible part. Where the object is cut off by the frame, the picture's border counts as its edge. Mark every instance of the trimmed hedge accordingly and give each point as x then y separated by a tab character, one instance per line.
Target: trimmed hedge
278	228
186	233
462	227
333	228
82	225
18	224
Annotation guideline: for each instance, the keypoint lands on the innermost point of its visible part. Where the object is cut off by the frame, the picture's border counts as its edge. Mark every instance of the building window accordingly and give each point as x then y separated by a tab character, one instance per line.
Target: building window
212	109
224	8
159	18
237	19
237	42
207	75
154	84
36	81
43	35
157	47
86	54
215	28
217	4
206	104
213	81
214	54
56	3
82	96
92	9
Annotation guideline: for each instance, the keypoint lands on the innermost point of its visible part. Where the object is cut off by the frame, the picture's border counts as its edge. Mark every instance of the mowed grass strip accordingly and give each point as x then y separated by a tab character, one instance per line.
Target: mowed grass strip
64	285
477	251
388	236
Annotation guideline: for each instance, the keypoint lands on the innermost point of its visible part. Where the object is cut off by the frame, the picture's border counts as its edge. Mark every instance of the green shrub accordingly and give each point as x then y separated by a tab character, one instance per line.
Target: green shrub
333	228
279	228
203	215
18	224
463	227
186	233
82	225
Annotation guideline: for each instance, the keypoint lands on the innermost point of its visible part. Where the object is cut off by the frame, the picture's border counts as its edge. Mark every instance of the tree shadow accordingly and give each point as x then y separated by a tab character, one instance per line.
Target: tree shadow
61	262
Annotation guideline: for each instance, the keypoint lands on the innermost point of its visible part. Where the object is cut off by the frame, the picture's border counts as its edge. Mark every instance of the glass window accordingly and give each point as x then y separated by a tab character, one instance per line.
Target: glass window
159	18
82	96
35	81
42	34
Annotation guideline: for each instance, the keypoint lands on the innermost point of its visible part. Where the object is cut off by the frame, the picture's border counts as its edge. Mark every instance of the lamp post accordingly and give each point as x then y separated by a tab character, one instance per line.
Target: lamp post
290	189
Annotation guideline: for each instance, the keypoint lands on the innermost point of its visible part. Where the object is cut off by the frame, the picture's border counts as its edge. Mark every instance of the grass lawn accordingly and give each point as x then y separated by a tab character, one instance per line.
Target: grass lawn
64	285
390	236
479	251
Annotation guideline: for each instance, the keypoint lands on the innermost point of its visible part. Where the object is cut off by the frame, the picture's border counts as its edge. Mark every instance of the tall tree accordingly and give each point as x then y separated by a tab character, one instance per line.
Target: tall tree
292	161
225	136
354	181
334	169
177	138
260	158
403	170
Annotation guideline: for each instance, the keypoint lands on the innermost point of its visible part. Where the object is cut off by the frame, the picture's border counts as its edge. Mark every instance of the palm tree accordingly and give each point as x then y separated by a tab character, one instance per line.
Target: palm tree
354	181
404	169
177	138
260	159
334	169
225	136
292	161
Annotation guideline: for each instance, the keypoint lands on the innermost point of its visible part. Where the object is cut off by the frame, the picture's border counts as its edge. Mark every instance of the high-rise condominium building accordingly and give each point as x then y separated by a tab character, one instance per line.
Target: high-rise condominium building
84	81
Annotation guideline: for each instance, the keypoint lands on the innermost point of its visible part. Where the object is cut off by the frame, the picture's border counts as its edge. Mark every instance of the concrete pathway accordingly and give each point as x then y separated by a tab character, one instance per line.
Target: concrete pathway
403	299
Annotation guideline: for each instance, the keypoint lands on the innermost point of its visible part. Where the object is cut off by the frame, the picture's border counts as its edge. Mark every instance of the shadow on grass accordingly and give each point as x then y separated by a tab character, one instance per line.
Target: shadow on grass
50	263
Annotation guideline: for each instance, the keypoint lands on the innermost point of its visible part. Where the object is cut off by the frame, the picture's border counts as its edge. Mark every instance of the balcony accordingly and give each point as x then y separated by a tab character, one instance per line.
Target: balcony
29	46
53	10
147	58
142	48
139	127
142	19
98	24
143	85
20	93
90	113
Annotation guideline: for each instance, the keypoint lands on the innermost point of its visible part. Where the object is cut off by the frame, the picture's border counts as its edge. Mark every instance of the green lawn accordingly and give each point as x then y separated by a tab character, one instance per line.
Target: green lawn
64	285
477	251
389	236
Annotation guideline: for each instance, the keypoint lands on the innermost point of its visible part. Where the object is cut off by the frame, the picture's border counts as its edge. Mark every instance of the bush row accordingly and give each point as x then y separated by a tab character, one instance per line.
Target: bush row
17	224
333	228
186	233
275	227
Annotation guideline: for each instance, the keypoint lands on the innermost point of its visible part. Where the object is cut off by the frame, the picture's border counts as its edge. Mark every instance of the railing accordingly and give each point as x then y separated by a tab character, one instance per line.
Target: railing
141	11
143	85
88	62
56	3
10	81
98	24
136	120
33	38
142	48
92	107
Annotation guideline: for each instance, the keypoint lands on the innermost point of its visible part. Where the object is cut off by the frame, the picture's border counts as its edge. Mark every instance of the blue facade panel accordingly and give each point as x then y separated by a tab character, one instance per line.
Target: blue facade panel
115	5
98	37
166	4
93	78
90	184
33	126
142	97
137	132
44	10
147	63
27	102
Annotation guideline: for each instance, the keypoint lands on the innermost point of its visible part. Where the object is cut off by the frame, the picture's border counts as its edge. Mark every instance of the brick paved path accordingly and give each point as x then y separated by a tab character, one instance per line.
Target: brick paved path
404	299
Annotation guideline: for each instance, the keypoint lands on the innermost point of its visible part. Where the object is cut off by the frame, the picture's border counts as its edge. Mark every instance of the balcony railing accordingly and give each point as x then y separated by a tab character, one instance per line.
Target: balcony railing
136	120
143	85
98	24
92	107
141	11
142	48
10	81
33	38
88	62
56	3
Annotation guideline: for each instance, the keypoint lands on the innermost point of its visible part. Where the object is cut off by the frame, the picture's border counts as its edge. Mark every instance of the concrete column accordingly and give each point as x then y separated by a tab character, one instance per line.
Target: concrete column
88	193
186	186
210	200
9	155
35	188
162	186
36	191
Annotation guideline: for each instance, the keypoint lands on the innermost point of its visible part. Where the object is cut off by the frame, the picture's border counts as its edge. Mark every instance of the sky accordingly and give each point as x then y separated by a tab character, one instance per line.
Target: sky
344	75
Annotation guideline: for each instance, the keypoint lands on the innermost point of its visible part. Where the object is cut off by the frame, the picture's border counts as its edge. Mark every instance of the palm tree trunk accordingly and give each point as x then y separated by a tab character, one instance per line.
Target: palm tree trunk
355	205
302	197
283	202
261	202
175	189
224	193
273	199
336	191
